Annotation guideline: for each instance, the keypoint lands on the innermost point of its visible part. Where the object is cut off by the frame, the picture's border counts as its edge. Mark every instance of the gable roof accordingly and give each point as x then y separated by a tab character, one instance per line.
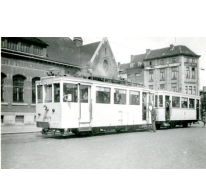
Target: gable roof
169	52
63	49
138	58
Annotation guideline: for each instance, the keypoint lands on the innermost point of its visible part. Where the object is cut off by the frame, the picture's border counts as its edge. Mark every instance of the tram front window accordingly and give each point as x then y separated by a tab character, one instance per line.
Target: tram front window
70	89
103	95
160	100
48	93
192	103
57	92
134	98
39	94
176	102
84	93
120	96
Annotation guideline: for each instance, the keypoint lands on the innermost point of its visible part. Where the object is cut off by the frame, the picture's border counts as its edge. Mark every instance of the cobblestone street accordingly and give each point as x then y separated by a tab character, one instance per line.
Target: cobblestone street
178	148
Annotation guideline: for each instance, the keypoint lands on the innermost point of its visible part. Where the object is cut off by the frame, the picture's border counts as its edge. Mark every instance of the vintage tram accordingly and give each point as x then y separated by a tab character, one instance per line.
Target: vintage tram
82	105
175	108
90	105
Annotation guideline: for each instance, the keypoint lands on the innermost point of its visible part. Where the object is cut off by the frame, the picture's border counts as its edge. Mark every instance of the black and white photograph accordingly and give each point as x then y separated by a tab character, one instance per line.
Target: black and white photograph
112	99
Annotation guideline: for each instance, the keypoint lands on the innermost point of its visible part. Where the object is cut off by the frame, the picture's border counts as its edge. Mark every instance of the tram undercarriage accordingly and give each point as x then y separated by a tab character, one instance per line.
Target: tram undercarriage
174	123
94	130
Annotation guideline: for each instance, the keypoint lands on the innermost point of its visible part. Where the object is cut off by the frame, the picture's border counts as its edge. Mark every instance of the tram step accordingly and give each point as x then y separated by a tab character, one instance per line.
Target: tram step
81	129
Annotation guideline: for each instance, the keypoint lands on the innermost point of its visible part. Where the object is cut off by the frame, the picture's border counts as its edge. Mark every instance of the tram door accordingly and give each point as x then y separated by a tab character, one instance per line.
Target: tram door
144	106
84	105
167	108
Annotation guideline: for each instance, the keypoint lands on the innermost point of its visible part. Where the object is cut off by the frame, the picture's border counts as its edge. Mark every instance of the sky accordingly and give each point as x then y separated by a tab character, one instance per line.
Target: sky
124	47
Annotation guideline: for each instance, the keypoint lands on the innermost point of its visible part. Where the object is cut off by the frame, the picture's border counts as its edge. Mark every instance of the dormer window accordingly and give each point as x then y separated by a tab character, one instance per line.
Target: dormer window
161	62
132	65
150	63
139	63
173	60
38	50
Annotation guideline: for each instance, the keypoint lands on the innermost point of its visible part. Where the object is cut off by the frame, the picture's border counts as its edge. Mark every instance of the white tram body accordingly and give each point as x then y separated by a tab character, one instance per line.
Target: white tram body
173	108
70	104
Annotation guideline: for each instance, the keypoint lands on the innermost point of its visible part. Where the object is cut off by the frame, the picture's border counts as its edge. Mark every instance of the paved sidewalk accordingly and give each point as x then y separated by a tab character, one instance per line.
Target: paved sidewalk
14	129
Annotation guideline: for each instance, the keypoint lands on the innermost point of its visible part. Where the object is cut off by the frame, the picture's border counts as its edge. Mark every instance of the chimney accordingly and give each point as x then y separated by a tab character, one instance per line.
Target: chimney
132	57
171	46
148	51
78	41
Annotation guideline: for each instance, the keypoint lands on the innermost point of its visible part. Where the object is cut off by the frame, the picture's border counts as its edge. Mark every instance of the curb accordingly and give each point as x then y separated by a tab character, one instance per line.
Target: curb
5	133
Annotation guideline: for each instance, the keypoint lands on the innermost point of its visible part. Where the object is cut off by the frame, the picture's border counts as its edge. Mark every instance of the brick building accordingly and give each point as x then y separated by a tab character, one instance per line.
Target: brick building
25	60
174	68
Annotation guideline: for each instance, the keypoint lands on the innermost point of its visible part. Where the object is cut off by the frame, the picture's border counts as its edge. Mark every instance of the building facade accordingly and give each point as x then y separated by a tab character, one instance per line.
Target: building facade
175	68
25	60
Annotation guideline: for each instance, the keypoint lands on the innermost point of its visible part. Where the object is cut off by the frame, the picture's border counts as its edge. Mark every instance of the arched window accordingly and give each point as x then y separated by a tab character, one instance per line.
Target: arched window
34	89
2	86
105	65
18	88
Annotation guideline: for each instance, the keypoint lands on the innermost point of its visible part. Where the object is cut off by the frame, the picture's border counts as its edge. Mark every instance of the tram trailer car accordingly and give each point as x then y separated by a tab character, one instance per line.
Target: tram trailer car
78	105
175	108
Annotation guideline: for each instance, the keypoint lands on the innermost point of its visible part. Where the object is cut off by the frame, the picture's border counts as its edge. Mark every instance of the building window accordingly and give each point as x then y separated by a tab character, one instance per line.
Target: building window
162	74
151	75
150	63
18	88
120	96
105	65
3	42
186	89
12	45
194	90
25	47
132	65
38	50
173	60
187	72
2	86
174	73
193	73
193	60
103	95
34	89
139	63
150	86
161	62
184	102
190	90
174	87
162	86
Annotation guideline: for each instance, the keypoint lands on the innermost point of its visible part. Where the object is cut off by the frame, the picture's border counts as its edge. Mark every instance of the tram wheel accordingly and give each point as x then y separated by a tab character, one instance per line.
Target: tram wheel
172	125
118	130
158	126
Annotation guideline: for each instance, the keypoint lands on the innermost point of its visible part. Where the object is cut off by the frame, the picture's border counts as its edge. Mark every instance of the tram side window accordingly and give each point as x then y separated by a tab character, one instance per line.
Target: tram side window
134	98
48	93
103	95
184	102
156	100
70	89
191	103
176	102
57	92
160	100
39	94
120	96
84	93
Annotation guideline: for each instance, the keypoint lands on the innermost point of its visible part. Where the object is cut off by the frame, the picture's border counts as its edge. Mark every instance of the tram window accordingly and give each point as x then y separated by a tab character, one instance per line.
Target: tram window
70	89
160	100
156	100
48	92
84	93
184	102
120	96
57	92
175	101
191	103
103	95
39	94
134	98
